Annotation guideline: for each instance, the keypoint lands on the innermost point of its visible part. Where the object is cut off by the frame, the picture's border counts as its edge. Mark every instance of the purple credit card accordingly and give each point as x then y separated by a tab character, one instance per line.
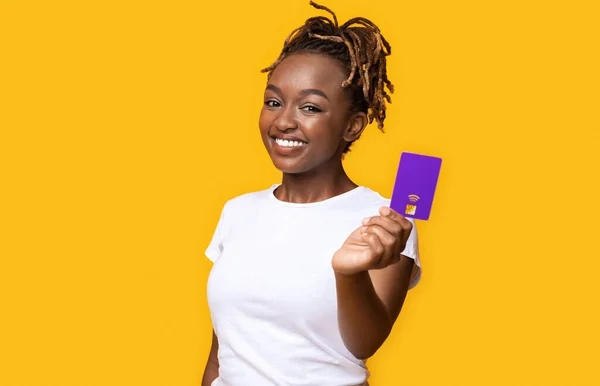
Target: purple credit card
415	185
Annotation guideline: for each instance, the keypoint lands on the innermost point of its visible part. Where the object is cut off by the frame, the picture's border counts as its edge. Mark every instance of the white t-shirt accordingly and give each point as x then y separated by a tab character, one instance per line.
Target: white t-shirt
271	290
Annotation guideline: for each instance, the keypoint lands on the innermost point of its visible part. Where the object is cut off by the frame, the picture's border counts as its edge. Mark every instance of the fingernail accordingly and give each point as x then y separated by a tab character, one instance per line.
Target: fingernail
366	220
364	229
385	211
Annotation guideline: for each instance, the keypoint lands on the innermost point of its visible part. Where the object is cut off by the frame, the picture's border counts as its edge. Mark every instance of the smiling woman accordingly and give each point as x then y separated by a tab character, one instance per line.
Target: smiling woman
310	274
305	103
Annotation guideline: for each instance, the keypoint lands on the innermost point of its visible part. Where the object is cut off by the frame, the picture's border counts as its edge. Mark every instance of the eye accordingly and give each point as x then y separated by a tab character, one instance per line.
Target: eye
272	103
311	109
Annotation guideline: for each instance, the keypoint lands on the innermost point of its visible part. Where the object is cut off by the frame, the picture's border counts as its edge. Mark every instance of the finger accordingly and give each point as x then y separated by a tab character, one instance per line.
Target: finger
402	234
387	223
376	249
395	216
388	240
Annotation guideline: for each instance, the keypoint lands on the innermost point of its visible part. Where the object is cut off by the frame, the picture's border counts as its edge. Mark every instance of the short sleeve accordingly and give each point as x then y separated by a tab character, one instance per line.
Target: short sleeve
215	248
412	250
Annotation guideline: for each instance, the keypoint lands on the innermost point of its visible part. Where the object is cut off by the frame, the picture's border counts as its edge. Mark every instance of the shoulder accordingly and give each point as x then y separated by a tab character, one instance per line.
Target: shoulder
370	196
371	201
246	201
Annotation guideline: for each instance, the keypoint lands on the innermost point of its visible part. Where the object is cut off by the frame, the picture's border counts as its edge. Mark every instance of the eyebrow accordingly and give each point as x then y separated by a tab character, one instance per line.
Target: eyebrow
306	91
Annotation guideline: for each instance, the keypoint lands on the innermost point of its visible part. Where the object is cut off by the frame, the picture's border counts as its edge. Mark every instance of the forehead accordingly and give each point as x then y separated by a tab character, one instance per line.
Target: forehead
304	70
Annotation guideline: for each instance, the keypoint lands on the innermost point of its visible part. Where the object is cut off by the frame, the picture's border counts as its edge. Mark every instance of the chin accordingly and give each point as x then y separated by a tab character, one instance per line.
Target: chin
289	167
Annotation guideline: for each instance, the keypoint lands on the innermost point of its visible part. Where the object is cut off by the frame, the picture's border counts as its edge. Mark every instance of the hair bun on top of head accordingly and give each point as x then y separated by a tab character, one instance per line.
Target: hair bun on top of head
358	45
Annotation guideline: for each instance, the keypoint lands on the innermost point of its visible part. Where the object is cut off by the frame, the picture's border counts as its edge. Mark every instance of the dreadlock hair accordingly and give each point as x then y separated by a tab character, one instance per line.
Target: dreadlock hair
359	47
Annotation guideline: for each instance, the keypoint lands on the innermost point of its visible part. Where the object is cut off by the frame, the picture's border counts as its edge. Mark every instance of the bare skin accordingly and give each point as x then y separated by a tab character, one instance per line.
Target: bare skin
304	102
211	372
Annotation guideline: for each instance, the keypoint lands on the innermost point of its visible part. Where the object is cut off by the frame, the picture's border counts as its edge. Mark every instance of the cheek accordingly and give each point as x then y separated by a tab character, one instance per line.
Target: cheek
264	120
329	129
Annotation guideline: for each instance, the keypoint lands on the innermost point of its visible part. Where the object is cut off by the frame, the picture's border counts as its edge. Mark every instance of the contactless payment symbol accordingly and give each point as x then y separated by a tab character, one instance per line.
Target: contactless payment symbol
413	198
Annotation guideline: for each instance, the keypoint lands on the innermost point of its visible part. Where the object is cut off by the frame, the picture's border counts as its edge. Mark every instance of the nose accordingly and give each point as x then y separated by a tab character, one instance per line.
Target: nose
286	119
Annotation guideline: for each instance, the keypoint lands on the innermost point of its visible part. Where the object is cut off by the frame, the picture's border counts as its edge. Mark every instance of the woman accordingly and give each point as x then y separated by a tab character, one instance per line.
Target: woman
310	274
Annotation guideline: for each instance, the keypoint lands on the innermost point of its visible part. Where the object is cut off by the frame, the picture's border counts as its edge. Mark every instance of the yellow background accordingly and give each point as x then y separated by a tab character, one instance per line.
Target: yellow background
126	125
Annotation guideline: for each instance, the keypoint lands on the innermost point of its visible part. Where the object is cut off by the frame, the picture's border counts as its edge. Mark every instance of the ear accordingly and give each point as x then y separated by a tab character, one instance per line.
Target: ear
356	125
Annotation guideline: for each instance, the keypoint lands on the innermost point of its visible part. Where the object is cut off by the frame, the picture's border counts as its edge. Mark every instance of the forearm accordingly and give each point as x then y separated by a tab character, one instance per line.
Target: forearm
362	317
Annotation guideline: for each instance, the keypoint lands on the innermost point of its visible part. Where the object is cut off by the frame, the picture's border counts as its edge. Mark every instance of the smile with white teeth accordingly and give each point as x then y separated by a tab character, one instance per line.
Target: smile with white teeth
286	143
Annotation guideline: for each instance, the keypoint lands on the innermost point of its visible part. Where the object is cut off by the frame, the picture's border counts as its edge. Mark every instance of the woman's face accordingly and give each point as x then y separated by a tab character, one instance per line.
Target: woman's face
306	115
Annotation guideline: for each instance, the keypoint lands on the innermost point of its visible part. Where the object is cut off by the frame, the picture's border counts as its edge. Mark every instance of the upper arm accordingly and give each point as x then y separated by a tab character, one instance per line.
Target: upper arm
214	347
391	284
211	372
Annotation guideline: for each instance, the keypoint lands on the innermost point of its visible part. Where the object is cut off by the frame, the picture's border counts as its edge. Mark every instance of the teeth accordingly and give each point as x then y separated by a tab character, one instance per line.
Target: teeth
286	143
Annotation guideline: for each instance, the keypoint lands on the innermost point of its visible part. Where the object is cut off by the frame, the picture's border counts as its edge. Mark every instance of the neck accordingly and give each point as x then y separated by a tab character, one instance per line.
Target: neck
314	186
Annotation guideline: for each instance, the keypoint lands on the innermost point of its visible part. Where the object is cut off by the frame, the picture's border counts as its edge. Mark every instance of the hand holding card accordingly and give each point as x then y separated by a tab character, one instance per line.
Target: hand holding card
415	185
